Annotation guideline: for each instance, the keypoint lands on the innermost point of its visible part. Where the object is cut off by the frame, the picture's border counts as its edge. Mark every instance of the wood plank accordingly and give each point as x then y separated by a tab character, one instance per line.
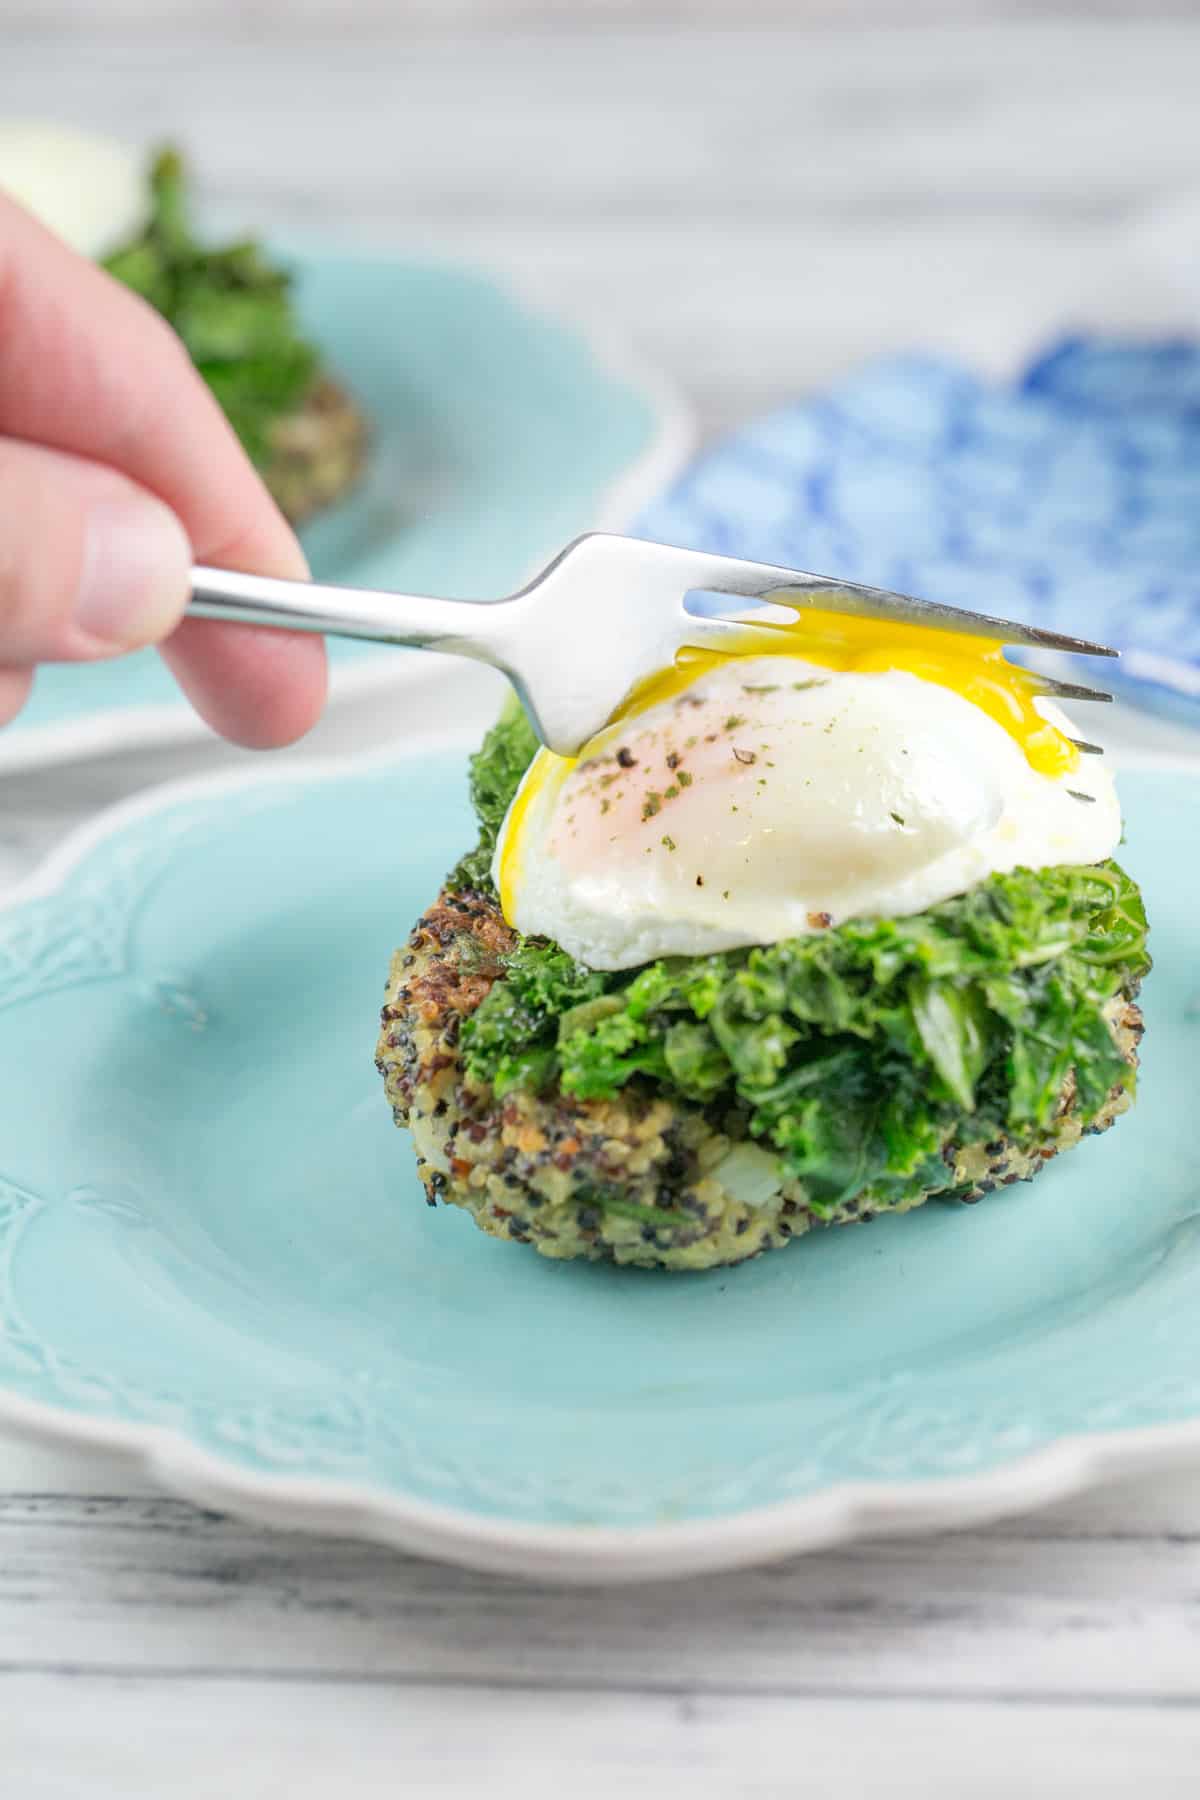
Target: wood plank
532	125
579	17
752	250
293	1741
128	1585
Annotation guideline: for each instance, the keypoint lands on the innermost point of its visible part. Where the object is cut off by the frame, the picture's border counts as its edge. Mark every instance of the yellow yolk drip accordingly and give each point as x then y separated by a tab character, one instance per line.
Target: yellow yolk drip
974	667
546	771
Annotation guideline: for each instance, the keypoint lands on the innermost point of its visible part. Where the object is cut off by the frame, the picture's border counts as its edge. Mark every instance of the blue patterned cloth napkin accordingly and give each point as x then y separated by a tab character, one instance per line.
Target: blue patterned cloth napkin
1070	498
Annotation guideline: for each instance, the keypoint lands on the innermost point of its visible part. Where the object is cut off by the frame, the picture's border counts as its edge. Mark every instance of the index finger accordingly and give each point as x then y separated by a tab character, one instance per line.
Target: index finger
88	367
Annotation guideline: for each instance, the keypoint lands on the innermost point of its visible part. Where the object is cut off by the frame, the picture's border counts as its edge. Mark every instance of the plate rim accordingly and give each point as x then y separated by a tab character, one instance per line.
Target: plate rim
582	1555
602	1556
672	440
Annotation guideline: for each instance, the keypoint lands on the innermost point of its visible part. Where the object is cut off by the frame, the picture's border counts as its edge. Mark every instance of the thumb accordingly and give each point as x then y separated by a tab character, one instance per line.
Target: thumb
90	563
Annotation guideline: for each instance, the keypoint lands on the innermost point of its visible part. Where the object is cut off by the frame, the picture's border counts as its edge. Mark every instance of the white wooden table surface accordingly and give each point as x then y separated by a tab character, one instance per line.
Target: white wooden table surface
754	209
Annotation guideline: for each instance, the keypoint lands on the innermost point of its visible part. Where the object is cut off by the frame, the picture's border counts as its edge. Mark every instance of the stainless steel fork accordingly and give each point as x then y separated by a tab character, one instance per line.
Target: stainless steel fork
606	613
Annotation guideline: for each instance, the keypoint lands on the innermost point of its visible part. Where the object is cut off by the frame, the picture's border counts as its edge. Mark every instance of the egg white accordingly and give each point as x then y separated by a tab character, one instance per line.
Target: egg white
775	798
90	190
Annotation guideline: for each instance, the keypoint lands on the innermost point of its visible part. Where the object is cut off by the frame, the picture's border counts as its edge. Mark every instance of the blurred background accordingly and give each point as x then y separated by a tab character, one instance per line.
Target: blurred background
747	201
754	193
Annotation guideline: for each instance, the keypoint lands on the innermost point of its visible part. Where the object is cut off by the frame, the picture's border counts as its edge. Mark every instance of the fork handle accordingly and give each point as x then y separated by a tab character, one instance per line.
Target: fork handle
473	628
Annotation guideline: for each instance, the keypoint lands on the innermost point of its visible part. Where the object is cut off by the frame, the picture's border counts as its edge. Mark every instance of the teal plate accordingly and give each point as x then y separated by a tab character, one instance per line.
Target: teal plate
215	1255
498	434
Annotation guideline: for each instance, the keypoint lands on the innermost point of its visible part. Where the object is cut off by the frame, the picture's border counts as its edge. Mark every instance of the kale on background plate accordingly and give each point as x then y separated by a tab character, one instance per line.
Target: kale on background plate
233	310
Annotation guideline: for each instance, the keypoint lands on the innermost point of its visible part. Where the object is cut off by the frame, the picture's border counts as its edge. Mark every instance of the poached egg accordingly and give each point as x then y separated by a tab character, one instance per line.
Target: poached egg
90	190
863	771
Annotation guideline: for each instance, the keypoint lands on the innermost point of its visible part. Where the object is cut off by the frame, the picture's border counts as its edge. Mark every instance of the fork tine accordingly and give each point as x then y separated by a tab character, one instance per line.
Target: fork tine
1051	689
761	581
1086	749
732	635
880	603
733	575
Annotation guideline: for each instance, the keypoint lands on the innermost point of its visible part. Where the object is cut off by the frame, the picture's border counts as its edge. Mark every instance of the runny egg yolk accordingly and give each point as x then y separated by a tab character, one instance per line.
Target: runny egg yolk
973	667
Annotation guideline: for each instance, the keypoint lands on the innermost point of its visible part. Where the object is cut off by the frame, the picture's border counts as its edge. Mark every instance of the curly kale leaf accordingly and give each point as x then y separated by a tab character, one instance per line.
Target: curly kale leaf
857	1053
543	988
231	307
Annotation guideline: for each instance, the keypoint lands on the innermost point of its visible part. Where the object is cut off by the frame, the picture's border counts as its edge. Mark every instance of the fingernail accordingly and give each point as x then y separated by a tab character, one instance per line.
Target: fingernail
134	582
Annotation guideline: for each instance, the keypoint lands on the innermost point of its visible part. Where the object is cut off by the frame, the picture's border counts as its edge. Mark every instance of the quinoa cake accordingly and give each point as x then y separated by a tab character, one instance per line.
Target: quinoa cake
629	1114
642	1178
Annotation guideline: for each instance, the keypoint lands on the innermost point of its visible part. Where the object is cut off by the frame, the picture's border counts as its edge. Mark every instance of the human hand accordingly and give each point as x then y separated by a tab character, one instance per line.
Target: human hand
117	472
